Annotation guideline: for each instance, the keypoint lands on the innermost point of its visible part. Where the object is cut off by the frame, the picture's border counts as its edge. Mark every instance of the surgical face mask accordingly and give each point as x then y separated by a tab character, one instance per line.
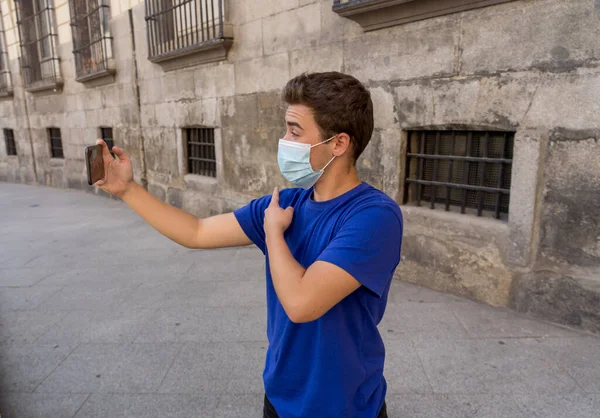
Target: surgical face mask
294	163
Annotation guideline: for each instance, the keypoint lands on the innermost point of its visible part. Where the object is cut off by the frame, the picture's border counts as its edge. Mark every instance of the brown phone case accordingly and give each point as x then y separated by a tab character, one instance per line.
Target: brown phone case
94	163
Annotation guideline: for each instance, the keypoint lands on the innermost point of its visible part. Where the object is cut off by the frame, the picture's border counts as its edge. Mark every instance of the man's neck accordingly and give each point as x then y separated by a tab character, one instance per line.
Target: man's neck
334	184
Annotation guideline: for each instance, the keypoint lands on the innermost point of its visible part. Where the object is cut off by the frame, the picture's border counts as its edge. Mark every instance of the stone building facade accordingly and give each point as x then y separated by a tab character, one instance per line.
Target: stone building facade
521	77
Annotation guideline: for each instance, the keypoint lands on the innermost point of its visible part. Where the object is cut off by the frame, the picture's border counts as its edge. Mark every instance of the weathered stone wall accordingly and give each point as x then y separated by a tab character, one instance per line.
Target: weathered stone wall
529	66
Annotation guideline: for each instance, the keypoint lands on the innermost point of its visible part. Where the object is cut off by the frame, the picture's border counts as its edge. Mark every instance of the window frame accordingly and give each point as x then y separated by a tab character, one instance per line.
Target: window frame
52	137
202	133
11	143
378	14
40	72
180	34
473	158
100	64
6	88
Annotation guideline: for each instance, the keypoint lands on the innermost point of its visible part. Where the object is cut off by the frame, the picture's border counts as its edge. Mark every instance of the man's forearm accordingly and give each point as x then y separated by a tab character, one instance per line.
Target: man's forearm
286	273
170	221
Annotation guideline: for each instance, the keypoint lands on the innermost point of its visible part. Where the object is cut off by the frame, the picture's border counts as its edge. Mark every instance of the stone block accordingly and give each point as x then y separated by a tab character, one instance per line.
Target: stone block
148	116
332	24
157	191
455	253
239	112
369	164
242	11
271	111
161	151
151	91
501	102
262	74
175	197
559	298
423	49
560	36
523	196
317	59
393	167
383	108
248	41
214	81
295	29
570	233
568	101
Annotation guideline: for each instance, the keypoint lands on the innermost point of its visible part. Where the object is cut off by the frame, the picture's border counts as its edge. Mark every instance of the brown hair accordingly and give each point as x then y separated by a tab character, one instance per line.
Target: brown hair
340	104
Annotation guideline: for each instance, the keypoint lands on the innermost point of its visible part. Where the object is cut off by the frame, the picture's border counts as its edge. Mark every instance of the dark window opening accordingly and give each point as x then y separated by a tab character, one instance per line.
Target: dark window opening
470	170
9	138
200	144
56	147
107	135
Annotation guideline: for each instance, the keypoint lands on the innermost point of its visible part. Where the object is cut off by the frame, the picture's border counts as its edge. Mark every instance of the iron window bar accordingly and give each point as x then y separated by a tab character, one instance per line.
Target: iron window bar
180	25
462	169
38	42
9	138
201	151
92	43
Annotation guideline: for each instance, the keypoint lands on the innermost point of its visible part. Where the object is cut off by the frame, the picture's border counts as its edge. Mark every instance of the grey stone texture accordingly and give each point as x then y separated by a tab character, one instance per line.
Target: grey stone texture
531	67
190	339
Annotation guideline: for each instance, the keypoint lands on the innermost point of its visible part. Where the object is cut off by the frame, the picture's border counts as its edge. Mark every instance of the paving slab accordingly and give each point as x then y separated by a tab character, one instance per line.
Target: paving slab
101	316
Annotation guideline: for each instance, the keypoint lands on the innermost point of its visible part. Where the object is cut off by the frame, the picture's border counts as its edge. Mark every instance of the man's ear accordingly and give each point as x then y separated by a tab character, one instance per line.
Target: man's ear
342	145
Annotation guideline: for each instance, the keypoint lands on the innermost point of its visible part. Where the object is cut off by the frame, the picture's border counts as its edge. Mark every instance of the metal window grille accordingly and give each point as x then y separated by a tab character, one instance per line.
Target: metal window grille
35	19
11	146
92	45
470	170
176	25
5	80
56	148
201	151
107	135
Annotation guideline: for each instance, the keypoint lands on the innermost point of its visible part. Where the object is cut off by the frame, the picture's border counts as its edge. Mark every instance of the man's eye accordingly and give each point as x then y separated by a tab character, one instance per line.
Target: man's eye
294	133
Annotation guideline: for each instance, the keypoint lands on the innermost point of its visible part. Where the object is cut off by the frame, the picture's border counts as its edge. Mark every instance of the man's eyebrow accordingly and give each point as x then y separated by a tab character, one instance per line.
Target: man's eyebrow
296	124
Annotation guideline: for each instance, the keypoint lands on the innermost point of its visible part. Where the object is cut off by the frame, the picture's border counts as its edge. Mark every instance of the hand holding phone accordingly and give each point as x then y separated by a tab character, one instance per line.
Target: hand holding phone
114	176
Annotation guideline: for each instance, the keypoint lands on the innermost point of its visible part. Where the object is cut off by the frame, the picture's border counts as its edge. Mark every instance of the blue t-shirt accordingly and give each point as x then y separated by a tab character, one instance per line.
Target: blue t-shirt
331	367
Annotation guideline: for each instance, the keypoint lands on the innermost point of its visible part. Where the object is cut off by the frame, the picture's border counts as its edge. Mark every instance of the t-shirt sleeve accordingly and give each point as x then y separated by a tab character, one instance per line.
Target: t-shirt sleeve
368	246
251	219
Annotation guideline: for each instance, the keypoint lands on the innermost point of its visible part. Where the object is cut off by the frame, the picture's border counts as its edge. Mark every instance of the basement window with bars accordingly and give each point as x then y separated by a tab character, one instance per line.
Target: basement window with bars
468	171
56	148
9	138
180	27
39	58
200	146
92	43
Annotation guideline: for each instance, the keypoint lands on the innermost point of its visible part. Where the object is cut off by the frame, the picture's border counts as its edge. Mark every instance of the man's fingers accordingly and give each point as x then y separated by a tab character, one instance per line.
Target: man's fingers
290	209
105	152
119	152
275	197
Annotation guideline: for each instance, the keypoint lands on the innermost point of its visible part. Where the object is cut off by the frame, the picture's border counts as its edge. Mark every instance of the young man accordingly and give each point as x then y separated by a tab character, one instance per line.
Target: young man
331	246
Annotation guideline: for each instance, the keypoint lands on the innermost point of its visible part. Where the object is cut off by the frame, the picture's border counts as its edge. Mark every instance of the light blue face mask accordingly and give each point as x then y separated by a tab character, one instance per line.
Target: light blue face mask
294	163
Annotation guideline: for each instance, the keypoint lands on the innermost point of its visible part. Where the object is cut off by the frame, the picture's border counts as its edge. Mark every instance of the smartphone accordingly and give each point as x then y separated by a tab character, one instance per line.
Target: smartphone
94	162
